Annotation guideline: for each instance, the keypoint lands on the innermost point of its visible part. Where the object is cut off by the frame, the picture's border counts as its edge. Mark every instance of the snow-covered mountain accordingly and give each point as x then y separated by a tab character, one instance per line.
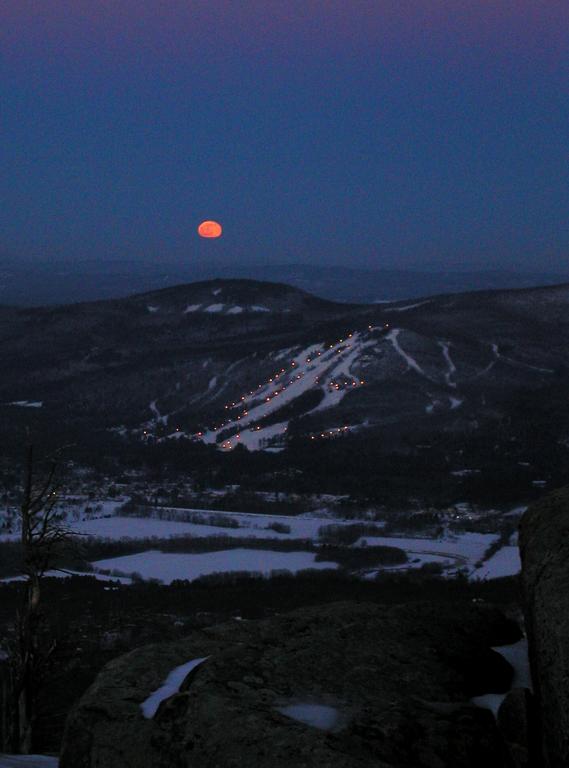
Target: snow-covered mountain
237	361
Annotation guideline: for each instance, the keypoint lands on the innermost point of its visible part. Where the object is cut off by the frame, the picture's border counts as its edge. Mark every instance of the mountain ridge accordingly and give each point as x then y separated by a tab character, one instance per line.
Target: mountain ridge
182	364
52	282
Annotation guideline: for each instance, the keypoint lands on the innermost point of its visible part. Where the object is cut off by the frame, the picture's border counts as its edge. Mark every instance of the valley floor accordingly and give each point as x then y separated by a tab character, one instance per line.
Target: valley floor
292	543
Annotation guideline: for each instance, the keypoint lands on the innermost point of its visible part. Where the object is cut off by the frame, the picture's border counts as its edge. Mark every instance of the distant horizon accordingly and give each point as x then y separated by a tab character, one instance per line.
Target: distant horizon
54	283
183	265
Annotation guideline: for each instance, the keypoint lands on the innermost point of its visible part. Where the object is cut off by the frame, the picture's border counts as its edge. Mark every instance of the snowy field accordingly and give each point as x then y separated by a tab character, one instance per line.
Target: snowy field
167	567
249	526
465	549
454	551
415	561
506	562
462	551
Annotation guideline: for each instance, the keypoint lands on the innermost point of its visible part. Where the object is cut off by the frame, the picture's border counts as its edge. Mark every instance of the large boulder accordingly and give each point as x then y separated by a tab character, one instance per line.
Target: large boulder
544	546
516	721
345	685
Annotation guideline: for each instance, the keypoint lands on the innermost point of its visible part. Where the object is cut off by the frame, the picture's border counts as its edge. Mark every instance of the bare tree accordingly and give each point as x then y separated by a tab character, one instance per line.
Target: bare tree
43	537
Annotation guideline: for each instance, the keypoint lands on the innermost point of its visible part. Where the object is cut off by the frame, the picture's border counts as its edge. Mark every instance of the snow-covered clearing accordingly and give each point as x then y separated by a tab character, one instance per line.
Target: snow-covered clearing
27	403
516	655
517	363
465	549
316	715
393	337
167	567
451	367
406	307
228	309
250	525
454	550
419	560
415	561
158	417
170	686
516	511
506	562
28	761
255	439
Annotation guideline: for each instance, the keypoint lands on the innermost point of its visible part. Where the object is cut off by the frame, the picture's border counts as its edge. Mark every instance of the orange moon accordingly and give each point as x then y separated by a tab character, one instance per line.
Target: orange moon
209	229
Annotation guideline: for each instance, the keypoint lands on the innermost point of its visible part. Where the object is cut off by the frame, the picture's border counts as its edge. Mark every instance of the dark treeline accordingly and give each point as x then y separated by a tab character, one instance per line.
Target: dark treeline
346	535
11	560
252	596
354	558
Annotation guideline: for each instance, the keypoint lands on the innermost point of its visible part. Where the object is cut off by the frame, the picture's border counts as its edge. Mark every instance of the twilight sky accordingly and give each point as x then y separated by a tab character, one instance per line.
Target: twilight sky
411	133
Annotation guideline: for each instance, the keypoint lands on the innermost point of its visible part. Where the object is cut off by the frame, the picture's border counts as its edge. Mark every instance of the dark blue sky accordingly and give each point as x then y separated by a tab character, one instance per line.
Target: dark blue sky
361	132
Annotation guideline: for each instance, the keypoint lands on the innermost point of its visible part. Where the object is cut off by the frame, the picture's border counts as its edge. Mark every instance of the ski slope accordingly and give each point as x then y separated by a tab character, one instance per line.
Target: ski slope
328	368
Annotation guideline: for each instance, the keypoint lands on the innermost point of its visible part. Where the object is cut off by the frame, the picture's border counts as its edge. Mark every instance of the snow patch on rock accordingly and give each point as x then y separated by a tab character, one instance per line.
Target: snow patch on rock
169	688
316	715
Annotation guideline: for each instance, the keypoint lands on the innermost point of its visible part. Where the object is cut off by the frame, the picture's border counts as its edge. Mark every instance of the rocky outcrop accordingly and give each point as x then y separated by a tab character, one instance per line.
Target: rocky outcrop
544	546
516	721
396	681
